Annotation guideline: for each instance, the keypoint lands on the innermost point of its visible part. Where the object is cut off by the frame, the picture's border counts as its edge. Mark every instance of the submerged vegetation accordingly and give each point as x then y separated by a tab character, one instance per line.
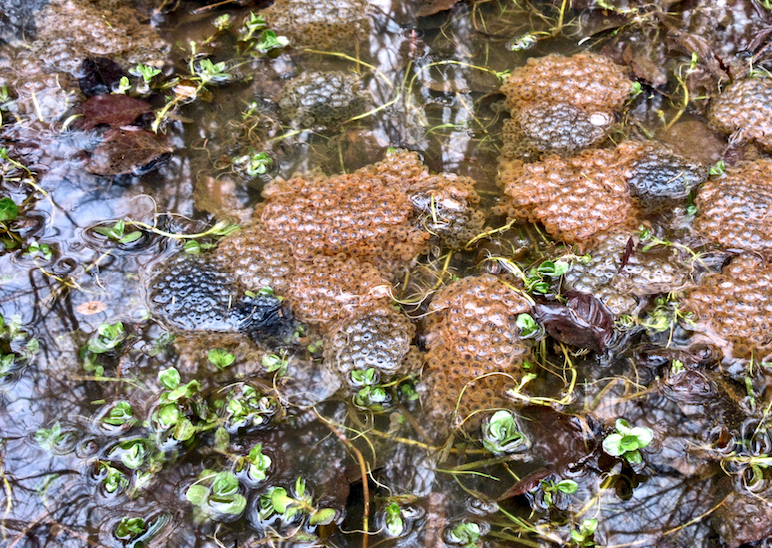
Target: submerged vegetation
479	273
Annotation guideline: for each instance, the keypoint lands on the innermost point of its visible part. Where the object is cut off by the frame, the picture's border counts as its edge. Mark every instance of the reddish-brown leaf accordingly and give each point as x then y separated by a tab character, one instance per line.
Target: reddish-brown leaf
585	322
113	110
127	150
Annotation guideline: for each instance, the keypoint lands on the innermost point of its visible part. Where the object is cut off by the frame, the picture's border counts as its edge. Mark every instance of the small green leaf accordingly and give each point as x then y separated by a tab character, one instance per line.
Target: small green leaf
394	522
8	209
718	168
527	325
197	494
221	358
184	430
588	527
130	527
120	414
225	485
134	454
269	41
169	378
567	486
325	516
49	438
280	500
131	237
634	457
168	415
221	439
613	445
300	487
234	506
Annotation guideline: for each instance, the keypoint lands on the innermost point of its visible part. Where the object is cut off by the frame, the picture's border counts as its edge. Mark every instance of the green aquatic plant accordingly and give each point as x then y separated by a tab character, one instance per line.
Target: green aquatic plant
107	337
626	441
118	233
129	528
220	358
501	434
256	462
216	493
254	163
120	414
551	488
584	537
35	249
395	525
298	504
466	533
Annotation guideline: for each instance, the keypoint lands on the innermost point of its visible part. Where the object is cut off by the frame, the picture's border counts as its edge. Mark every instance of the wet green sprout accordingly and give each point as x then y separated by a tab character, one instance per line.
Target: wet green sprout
216	493
501	433
277	501
50	438
145	71
252	25
395	525
627	441
223	22
254	163
107	337
466	534
115	479
374	398
118	233
529	328
212	72
550	488
132	453
130	528
220	358
269	40
124	86
120	414
35	249
258	463
250	405
583	537
718	168
676	367
8	209
276	362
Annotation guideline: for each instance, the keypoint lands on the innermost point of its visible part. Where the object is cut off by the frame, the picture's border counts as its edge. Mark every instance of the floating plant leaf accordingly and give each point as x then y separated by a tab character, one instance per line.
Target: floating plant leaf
114	110
584	322
129	150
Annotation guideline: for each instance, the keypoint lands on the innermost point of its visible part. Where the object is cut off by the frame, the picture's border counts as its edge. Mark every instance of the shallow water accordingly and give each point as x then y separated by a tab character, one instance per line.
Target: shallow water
431	85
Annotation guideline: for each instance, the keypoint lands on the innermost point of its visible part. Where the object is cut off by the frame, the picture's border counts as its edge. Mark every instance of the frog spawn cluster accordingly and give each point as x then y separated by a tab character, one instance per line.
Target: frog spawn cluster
332	247
579	197
745	108
321	99
68	31
561	104
644	274
474	349
735	305
321	24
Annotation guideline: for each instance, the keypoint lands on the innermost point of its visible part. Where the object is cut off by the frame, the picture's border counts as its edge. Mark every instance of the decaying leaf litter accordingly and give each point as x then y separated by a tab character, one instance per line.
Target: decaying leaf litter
425	273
